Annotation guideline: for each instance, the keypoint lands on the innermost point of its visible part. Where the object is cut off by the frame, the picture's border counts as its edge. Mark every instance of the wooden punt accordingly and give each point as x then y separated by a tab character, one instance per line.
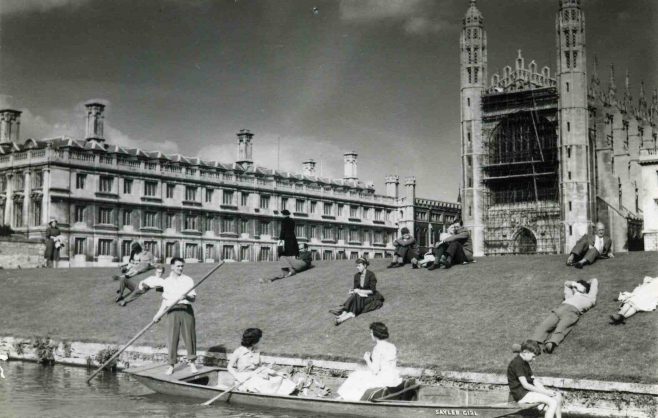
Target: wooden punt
203	385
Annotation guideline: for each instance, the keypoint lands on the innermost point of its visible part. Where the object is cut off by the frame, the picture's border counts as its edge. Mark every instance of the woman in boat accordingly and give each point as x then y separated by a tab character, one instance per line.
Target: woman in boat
381	367
364	296
244	365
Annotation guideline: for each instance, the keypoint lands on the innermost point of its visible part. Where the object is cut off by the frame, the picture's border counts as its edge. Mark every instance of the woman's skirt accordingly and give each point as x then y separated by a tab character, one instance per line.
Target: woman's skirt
361	380
265	384
358	304
51	252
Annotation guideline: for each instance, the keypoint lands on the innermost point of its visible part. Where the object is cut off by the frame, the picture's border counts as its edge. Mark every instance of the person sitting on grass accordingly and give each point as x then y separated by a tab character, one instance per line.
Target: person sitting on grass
590	248
381	367
245	366
579	297
406	248
140	261
151	282
643	298
291	266
526	388
364	296
456	248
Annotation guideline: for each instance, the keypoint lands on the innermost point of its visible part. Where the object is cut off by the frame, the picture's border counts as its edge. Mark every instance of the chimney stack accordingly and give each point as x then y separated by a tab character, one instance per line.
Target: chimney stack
350	166
309	167
392	186
410	185
244	148
95	120
10	122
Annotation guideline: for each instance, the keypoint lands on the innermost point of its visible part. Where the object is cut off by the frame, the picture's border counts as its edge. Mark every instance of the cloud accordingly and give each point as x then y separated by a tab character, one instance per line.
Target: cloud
422	25
9	7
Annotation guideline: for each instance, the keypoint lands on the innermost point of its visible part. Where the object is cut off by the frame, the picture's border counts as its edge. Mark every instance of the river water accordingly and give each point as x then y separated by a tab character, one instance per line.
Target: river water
31	390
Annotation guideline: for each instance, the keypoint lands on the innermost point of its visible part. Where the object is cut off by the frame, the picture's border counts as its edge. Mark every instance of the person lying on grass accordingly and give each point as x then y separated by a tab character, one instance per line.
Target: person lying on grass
151	282
140	261
579	297
245	366
364	296
643	298
526	388
291	265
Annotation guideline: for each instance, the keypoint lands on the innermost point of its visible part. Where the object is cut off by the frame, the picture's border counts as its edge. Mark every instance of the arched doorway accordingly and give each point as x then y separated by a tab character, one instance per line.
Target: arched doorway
525	242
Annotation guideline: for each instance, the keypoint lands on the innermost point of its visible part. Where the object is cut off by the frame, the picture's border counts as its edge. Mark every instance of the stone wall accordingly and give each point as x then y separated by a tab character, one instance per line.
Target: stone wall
21	253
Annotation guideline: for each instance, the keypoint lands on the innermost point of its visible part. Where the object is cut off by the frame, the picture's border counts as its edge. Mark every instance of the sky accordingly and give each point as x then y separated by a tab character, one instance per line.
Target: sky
310	79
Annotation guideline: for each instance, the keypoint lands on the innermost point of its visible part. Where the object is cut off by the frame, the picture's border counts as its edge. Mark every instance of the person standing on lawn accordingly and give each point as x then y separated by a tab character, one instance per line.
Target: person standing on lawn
53	243
288	246
406	248
525	388
364	296
181	316
291	266
590	248
579	297
456	248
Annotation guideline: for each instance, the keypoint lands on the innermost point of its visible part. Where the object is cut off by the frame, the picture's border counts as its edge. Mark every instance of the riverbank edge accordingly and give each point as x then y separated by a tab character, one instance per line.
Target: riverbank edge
581	396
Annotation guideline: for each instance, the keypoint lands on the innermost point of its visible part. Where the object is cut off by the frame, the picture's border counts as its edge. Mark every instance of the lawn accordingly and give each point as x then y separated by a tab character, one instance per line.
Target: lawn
464	319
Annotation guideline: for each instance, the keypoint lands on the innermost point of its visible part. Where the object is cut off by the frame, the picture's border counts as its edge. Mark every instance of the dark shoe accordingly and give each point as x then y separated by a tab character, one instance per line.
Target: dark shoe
118	299
392	265
115	277
549	347
616	319
336	311
414	266
433	267
570	260
579	265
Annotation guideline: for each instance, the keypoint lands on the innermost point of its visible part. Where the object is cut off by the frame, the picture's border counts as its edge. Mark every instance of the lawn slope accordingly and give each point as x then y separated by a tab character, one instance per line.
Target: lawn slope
465	318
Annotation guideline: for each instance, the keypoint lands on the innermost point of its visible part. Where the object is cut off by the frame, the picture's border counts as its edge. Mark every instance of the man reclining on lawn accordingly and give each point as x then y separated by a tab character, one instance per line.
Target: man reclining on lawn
590	248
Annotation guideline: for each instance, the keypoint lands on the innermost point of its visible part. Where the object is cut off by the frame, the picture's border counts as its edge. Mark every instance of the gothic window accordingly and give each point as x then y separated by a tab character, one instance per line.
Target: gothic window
470	77
566	38
573	37
573	14
566	15
475	33
575	59
475	75
475	55
567	55
470	58
468	34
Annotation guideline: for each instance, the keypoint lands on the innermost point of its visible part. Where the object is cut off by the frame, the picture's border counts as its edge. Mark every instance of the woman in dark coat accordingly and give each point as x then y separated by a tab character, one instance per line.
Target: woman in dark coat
52	251
287	235
364	296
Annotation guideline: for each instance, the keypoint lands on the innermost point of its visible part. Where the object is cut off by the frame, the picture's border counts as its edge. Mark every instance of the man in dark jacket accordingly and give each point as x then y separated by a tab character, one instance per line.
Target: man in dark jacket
590	248
288	246
457	248
406	249
291	265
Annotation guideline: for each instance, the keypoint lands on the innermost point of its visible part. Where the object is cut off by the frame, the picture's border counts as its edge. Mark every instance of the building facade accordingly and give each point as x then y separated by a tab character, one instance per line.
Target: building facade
105	197
544	156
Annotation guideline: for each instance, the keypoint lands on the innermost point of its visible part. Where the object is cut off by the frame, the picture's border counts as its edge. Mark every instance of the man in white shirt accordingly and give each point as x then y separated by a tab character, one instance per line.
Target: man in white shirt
181	316
589	248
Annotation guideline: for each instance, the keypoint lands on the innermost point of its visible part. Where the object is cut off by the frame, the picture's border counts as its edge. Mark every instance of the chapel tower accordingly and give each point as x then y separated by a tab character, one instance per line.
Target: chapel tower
473	61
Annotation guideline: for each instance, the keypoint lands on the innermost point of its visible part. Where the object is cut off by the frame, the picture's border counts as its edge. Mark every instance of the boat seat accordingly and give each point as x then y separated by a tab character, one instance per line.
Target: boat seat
405	391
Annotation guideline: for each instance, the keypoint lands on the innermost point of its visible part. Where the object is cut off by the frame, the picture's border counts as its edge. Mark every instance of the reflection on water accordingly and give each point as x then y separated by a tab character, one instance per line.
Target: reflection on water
31	390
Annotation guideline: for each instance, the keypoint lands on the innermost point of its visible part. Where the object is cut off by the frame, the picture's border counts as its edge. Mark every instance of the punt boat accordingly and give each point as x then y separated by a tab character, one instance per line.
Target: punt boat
209	382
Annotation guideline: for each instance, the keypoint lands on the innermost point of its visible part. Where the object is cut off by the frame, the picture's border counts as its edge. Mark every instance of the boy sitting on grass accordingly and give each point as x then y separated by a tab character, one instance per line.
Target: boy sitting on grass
525	388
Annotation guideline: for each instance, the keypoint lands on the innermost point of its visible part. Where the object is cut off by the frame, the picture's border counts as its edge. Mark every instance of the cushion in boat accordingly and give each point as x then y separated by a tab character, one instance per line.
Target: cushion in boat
401	392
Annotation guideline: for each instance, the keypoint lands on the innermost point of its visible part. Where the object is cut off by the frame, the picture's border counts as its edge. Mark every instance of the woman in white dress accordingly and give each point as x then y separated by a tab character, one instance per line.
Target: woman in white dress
643	298
244	365
381	367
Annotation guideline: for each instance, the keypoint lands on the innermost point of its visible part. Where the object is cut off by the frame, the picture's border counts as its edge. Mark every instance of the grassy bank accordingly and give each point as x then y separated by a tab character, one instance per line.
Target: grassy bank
465	318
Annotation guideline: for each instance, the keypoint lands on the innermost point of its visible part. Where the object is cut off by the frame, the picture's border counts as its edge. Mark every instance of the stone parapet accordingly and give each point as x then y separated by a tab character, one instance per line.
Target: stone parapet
21	253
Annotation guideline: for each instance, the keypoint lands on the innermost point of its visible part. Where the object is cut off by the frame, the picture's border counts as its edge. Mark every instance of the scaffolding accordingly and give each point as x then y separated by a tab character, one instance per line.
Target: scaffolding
520	175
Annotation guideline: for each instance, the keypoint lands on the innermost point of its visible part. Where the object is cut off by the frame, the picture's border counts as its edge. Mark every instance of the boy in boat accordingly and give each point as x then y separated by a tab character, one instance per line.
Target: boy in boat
525	388
181	316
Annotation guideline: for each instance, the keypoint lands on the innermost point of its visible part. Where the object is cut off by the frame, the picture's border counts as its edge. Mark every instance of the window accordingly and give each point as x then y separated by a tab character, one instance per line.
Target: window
264	228
284	203
191	250
170	190
341	233
244	199
150	219
170	249
264	202
354	211
105	215
170	220
228	225
36	214
244	253
127	217
127	186
328	208
300	231
328	232
227	252
379	237
328	255
378	214
210	251
209	195
190	193
151	188
299	205
244	226
79	246
340	210
354	235
37	180
264	254
19	181
151	246
191	222
125	248
314	206
80	180
18	214
104	247
227	199
105	184
79	214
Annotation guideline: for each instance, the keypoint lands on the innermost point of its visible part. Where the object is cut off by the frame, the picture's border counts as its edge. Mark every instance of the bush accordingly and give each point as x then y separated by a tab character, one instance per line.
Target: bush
44	350
6	231
104	355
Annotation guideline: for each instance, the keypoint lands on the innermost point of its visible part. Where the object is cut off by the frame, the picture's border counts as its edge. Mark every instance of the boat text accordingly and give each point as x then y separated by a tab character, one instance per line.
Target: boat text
462	412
